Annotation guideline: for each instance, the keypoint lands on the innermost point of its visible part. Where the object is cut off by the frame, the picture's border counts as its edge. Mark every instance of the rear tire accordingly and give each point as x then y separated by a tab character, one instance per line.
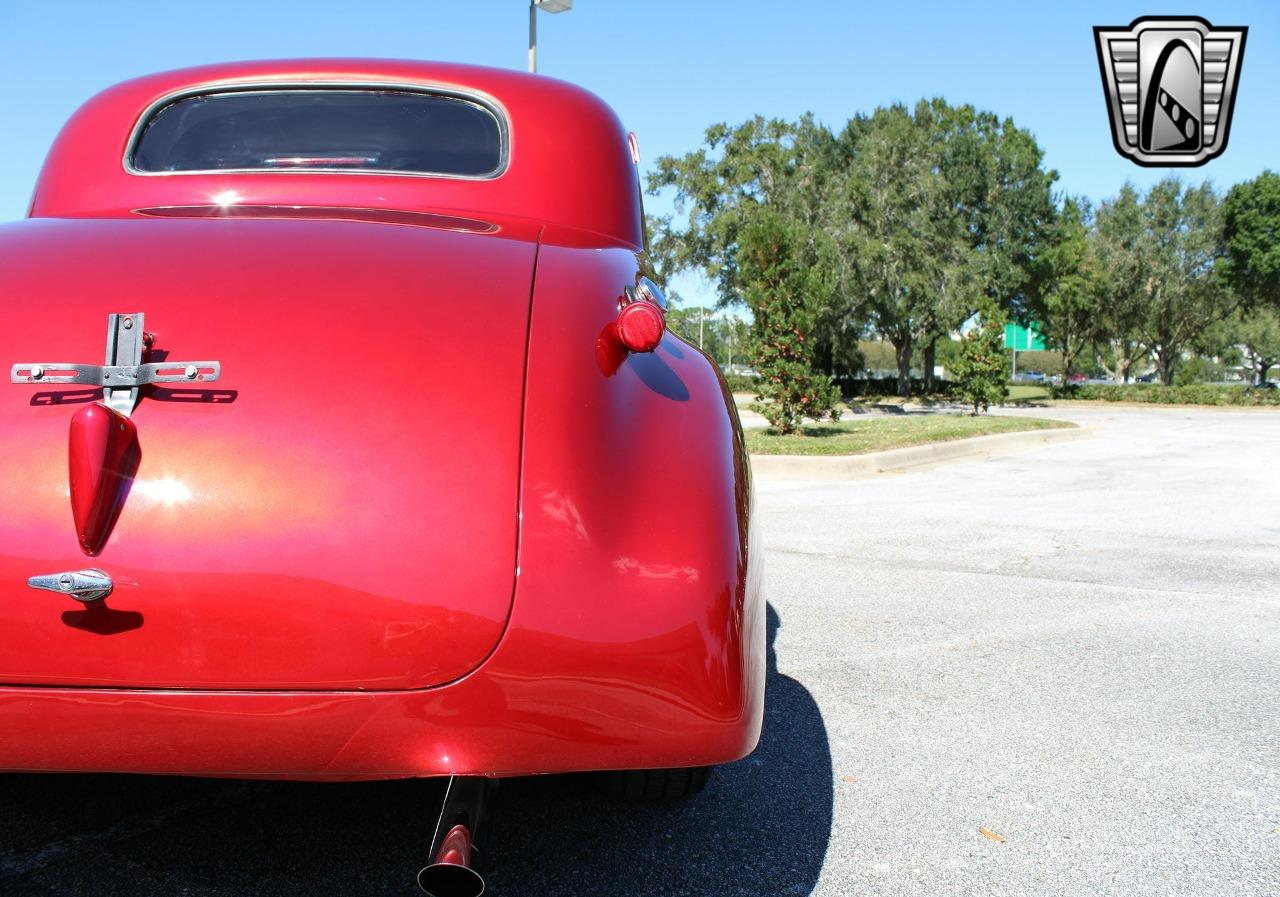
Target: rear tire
656	785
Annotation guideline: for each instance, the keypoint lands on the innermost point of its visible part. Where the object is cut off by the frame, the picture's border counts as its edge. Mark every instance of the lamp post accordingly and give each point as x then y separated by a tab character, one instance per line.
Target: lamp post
534	6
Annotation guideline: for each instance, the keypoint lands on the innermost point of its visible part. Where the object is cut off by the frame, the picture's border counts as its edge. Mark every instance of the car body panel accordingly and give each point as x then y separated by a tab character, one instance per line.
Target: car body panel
303	522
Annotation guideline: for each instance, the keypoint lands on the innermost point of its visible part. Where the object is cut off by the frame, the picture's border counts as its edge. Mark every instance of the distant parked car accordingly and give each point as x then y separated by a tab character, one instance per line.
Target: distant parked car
1077	380
1148	378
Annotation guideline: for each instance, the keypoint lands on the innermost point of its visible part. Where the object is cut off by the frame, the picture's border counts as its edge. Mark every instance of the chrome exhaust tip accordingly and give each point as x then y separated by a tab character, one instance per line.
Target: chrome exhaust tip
463	821
450	880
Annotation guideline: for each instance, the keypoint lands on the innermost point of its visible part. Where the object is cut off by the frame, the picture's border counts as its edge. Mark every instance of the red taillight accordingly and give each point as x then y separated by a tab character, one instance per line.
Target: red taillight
641	325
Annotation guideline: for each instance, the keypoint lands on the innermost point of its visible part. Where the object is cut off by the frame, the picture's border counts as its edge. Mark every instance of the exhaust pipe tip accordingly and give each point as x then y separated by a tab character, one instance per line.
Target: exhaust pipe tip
450	880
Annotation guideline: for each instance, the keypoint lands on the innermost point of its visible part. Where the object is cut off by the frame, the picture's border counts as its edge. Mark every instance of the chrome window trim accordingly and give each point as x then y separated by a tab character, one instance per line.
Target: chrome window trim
476	98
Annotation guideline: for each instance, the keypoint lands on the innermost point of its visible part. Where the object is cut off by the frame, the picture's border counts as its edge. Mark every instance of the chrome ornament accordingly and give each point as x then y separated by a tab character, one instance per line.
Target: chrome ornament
83	585
1170	84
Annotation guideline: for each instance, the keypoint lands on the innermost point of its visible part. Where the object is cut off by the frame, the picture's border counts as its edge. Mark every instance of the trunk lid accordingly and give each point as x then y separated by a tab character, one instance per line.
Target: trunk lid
338	511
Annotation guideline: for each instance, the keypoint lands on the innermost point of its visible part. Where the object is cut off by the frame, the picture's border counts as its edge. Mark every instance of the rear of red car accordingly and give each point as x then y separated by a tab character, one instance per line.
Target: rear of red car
427	520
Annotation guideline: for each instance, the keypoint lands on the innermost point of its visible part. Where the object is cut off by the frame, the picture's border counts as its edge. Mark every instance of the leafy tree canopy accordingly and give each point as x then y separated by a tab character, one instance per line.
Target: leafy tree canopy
1251	233
930	211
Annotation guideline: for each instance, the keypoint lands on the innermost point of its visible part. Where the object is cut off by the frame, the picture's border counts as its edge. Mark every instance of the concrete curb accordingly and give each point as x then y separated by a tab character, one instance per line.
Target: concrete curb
915	457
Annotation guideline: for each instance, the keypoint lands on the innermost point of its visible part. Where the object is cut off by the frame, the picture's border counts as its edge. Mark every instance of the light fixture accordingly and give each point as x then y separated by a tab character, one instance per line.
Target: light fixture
548	6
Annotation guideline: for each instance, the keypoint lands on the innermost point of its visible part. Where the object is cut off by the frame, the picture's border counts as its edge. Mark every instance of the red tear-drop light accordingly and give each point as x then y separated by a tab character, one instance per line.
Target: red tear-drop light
103	459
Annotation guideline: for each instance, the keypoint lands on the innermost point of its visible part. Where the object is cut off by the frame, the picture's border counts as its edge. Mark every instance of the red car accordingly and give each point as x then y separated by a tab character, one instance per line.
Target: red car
388	468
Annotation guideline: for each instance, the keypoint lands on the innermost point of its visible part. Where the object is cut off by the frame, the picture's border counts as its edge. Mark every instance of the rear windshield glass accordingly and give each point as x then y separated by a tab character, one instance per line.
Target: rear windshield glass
322	129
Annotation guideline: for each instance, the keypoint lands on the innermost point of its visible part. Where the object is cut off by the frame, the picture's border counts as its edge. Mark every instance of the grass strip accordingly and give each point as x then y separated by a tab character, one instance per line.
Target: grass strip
876	434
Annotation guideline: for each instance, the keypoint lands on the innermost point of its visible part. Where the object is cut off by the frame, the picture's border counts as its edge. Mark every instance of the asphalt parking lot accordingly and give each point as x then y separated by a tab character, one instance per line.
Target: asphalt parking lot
1075	649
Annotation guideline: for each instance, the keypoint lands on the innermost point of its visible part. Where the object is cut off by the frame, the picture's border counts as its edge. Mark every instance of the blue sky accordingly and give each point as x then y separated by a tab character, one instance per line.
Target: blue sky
670	67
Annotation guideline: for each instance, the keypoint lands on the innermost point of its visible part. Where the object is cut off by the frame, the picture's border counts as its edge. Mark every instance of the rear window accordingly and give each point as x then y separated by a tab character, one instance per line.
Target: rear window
322	129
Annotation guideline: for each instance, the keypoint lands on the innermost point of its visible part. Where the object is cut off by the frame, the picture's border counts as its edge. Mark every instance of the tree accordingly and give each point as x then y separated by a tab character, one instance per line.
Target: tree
1180	250
1066	305
721	187
766	174
663	255
939	209
785	286
1250	266
979	372
1118	236
1258	331
932	210
1156	265
1004	193
896	227
737	341
1251	234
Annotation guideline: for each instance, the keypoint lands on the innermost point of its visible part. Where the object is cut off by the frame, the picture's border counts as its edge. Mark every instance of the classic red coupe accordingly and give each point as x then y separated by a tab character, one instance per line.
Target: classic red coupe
388	468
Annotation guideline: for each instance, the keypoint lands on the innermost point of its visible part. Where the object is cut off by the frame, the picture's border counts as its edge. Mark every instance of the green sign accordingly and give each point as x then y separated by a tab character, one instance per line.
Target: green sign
1023	339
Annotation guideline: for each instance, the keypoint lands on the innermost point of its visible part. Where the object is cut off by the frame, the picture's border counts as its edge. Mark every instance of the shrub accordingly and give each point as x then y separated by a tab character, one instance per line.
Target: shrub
741	382
785	292
877	387
1194	394
1197	370
979	372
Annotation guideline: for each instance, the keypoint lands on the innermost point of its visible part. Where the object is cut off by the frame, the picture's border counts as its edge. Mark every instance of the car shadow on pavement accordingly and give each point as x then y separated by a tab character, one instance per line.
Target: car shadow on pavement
761	827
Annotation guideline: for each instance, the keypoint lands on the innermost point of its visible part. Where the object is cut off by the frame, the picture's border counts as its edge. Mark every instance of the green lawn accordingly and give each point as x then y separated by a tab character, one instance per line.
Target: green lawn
874	434
1021	392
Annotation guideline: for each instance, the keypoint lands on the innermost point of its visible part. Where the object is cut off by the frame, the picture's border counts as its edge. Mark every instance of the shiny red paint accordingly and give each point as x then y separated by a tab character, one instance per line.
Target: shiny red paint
103	458
569	162
391	541
308	521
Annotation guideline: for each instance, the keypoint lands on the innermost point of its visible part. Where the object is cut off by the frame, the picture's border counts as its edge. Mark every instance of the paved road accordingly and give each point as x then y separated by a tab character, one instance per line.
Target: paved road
1076	648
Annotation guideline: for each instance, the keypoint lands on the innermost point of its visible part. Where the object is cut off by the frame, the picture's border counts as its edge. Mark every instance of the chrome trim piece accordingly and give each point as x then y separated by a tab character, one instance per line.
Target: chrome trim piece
115	376
645	290
484	101
83	585
407	217
124	373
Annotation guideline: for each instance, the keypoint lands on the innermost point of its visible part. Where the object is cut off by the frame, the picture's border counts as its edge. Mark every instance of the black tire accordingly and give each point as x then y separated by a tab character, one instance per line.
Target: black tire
656	785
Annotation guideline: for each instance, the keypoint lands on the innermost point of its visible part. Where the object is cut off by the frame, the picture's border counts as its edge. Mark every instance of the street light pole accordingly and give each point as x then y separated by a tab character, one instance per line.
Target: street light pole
552	6
533	36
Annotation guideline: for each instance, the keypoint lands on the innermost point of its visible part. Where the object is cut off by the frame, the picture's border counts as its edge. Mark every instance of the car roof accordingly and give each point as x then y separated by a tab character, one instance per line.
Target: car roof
569	160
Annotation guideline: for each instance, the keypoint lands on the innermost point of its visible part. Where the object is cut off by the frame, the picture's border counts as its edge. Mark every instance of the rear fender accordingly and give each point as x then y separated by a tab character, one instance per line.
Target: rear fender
638	590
